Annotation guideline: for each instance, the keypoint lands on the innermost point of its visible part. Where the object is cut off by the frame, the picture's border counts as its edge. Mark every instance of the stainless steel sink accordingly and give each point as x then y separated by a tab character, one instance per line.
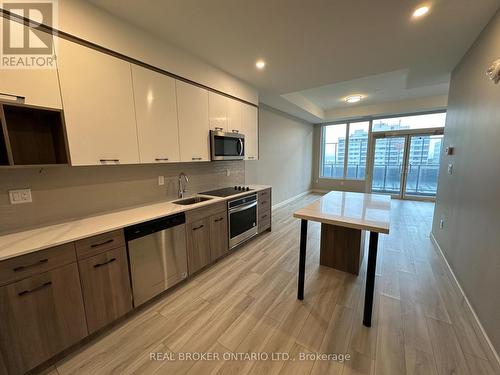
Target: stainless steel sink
192	200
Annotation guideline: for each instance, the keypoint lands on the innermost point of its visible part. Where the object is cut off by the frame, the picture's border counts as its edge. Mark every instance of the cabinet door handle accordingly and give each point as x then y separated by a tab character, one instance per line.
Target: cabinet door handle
251	157
102	243
13	96
219	219
217	128
161	159
263	216
109	160
235	131
201	226
29	291
196	158
20	268
104	263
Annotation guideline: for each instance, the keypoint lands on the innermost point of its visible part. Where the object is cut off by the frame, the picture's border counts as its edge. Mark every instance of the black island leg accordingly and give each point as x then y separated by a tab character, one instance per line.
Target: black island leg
370	278
302	258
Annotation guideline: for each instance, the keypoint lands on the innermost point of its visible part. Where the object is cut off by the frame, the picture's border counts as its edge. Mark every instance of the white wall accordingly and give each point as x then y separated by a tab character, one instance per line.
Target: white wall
469	199
86	21
285	155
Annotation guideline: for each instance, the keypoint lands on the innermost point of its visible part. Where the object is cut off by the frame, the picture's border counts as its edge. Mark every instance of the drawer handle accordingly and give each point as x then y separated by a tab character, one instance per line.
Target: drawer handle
43	286
110	160
219	219
251	157
263	216
235	131
40	262
161	159
217	128
102	243
196	158
105	263
201	226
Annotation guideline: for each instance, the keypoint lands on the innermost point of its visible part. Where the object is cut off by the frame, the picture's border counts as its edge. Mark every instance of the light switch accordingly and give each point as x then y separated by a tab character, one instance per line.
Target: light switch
161	180
20	196
450	168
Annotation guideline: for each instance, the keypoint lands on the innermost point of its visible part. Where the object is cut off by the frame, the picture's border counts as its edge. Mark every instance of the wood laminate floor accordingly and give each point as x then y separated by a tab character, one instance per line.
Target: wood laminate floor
247	303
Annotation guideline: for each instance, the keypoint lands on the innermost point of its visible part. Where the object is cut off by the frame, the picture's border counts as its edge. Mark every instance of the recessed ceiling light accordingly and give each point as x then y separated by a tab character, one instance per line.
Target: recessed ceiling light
419	12
353	98
260	64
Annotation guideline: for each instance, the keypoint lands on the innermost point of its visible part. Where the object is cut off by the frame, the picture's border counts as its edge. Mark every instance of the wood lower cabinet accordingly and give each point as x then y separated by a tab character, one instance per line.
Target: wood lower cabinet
198	244
40	316
218	235
264	210
105	287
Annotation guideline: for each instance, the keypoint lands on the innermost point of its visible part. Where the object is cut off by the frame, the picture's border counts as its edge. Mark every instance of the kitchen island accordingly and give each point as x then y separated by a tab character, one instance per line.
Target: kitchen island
352	213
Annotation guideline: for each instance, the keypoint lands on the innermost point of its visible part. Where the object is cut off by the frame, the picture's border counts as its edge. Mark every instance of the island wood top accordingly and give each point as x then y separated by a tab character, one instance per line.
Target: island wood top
352	210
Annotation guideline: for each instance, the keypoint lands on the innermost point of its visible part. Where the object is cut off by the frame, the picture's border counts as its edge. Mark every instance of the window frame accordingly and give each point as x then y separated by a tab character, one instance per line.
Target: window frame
346	150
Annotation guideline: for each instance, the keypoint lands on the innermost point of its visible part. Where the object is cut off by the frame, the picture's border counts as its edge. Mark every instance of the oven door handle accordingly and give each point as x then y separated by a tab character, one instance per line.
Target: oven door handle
242	208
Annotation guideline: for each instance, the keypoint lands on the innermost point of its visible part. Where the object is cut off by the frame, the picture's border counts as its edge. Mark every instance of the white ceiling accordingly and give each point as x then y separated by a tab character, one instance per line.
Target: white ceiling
318	51
378	88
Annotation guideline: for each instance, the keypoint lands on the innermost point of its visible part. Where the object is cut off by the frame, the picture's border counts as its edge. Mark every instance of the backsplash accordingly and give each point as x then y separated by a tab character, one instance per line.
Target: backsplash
64	193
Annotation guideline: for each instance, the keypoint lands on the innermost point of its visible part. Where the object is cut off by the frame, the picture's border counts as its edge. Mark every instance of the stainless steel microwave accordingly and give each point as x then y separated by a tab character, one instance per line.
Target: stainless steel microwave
227	146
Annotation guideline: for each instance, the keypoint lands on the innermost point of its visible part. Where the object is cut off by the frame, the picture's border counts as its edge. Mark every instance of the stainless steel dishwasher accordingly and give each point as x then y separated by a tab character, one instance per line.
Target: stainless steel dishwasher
157	256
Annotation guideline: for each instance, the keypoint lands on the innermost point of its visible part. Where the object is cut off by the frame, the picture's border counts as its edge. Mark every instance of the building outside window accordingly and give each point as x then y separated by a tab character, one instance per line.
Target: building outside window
344	150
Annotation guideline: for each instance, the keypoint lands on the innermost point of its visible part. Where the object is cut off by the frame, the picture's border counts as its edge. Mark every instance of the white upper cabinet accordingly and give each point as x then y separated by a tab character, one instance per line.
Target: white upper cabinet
234	116
39	87
192	110
156	113
98	106
250	125
217	111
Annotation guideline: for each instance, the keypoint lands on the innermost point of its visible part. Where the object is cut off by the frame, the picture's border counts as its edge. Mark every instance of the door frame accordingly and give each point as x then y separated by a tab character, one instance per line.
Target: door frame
407	134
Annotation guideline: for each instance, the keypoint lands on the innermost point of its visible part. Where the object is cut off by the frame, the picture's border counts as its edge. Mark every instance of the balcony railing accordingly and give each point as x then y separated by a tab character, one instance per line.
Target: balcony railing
336	170
420	180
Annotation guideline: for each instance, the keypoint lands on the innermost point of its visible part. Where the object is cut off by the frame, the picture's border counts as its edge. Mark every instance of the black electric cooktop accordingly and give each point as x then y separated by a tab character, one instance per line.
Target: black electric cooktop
227	192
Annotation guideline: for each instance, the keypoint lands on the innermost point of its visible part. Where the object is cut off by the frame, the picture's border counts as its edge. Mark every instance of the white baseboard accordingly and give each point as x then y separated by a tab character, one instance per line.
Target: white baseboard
477	322
285	202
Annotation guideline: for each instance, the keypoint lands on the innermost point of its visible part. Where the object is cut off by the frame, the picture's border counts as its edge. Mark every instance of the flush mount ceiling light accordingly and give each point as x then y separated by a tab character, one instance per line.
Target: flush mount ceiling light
260	64
420	11
353	98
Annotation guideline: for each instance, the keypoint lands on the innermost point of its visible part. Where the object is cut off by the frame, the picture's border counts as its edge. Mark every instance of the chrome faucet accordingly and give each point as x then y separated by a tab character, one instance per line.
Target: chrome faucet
182	187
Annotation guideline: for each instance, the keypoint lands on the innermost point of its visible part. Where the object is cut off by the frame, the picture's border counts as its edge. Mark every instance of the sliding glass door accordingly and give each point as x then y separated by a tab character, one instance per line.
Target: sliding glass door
422	171
388	160
406	165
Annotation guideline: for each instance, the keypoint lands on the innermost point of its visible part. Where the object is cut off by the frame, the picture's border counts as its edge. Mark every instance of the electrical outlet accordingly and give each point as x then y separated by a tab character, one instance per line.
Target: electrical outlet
161	180
228	172
20	196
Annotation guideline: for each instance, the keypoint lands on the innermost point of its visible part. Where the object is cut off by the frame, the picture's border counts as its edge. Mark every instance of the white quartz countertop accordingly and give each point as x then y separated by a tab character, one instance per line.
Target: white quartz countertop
19	243
352	210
